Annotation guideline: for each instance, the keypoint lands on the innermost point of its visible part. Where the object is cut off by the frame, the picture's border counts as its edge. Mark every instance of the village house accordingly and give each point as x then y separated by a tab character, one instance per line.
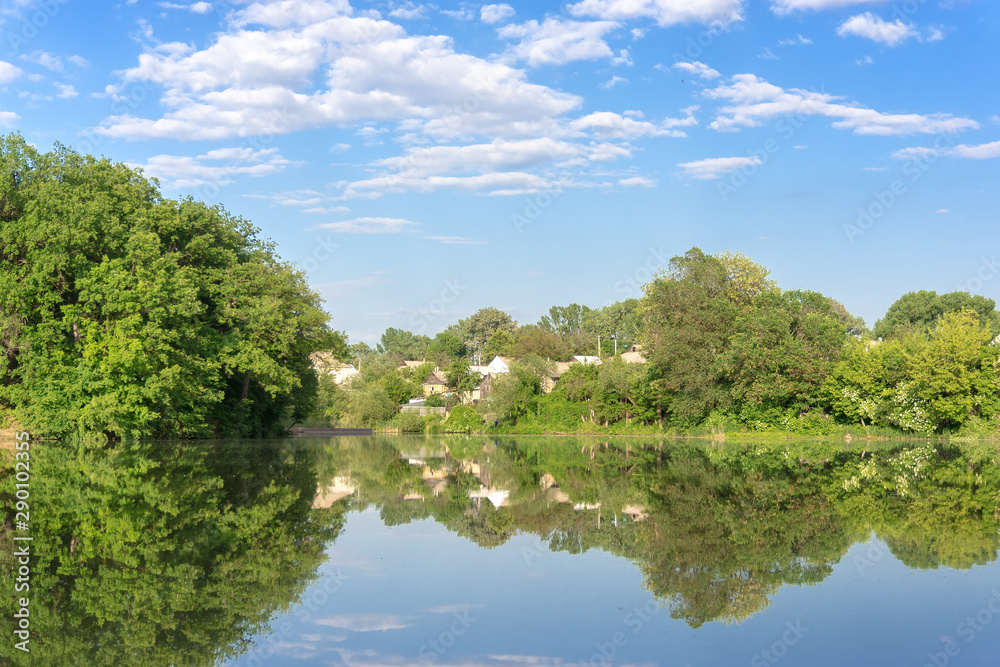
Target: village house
324	363
633	355
435	384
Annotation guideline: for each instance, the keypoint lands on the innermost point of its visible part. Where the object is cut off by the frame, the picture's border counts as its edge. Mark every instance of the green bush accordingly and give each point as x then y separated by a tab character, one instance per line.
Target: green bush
411	422
463	419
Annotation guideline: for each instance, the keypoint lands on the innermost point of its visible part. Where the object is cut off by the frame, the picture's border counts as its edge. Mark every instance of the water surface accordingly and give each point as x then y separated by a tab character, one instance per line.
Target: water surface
528	551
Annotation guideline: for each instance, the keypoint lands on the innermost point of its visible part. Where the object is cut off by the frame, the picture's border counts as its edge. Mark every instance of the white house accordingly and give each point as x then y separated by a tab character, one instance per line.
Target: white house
499	365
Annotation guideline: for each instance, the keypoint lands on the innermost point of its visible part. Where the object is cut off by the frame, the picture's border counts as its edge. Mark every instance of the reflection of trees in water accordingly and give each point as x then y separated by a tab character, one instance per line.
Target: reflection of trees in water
173	554
727	525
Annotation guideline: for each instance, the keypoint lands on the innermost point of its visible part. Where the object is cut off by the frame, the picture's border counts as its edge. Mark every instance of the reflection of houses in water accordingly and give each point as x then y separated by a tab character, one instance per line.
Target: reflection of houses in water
554	494
635	512
339	489
436	479
496	496
436	486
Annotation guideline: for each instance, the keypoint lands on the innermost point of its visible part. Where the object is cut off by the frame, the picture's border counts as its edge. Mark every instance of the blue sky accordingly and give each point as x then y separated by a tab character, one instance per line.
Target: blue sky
423	160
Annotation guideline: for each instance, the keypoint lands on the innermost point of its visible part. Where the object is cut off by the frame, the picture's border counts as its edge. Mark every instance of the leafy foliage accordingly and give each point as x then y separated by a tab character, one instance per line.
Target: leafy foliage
127	313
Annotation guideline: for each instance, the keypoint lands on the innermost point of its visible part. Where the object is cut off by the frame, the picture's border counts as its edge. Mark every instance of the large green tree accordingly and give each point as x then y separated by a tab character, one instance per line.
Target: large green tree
127	313
784	348
692	312
916	312
955	370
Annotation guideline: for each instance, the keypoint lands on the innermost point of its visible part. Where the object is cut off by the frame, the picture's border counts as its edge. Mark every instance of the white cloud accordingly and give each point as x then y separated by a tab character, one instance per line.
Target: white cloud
637	182
871	27
497	183
464	14
358	622
9	72
66	92
176	171
864	62
943	210
197	7
783	7
410	11
371	226
978	152
8	119
698	69
295	198
752	100
558	41
611	125
714	167
326	210
767	54
47	60
614	81
499	155
496	13
795	41
623	58
252	82
453	240
664	12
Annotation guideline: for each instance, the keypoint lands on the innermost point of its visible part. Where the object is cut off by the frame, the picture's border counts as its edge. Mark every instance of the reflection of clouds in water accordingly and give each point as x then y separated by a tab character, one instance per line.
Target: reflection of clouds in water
452	608
370	658
526	659
366	622
347	562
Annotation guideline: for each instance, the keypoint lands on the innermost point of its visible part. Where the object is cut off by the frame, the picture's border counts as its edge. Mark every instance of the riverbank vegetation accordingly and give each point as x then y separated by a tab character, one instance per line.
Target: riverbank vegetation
724	350
125	313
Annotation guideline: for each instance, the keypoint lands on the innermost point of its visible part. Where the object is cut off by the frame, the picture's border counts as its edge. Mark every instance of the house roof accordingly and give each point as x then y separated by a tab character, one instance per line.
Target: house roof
409	363
559	368
435	378
633	358
585	359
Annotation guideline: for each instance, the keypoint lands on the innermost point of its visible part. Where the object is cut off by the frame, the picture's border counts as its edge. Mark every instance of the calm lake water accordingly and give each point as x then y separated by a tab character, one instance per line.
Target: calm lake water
527	551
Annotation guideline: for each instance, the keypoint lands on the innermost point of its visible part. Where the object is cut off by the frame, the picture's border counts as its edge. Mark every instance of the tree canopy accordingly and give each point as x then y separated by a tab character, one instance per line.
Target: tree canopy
127	313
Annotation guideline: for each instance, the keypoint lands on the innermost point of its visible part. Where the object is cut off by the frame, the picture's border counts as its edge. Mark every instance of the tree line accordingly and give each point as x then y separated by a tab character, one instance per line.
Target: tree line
125	313
725	348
